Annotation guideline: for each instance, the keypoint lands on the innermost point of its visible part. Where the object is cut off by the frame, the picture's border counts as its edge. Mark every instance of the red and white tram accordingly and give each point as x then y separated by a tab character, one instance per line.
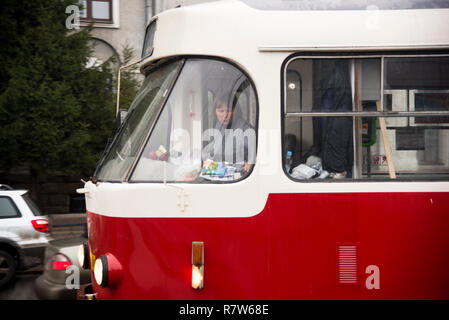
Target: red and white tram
339	185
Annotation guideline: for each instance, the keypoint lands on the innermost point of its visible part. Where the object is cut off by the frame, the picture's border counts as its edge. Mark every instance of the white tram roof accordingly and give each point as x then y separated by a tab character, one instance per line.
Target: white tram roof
234	29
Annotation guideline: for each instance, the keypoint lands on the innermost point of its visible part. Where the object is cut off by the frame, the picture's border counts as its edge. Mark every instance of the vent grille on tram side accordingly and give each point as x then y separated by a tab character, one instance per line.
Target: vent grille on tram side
347	264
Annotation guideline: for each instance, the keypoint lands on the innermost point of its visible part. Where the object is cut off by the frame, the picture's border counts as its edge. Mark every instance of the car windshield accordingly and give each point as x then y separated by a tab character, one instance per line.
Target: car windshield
142	113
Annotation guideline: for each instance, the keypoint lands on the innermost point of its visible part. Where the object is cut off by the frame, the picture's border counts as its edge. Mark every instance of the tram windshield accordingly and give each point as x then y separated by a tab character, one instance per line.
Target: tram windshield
142	112
202	130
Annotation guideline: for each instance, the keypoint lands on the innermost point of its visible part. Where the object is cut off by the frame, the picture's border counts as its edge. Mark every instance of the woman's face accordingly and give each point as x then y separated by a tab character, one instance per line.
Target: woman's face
224	114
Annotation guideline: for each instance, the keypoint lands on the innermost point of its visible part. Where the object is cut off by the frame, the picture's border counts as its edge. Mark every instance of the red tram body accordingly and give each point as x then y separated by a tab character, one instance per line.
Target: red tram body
381	232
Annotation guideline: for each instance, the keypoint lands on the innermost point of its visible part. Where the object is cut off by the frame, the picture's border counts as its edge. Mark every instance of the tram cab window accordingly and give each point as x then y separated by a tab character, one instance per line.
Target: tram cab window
397	125
206	132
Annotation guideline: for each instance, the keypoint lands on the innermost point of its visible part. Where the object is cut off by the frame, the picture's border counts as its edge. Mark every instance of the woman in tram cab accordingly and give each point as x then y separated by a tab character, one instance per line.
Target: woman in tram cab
233	143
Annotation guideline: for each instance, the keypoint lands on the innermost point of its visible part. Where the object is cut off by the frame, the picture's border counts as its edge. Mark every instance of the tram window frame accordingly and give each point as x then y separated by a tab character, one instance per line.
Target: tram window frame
148	43
388	115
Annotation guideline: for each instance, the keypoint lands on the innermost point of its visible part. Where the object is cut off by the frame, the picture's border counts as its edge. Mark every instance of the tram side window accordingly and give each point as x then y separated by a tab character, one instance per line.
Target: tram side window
320	142
206	131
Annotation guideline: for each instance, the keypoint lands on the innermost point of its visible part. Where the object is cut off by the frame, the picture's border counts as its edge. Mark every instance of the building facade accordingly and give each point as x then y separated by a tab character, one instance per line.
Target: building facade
121	23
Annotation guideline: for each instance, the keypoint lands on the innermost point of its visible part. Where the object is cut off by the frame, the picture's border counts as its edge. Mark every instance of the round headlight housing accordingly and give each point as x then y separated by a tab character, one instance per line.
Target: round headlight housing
108	270
101	271
83	255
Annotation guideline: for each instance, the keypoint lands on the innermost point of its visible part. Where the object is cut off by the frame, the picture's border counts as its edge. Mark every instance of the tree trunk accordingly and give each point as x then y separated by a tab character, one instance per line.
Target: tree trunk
34	185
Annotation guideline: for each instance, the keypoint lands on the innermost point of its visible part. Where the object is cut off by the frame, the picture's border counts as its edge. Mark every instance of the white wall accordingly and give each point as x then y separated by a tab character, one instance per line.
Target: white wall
128	27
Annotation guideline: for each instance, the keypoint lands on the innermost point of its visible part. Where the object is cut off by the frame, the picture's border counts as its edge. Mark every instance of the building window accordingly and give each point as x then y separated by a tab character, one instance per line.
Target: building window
96	10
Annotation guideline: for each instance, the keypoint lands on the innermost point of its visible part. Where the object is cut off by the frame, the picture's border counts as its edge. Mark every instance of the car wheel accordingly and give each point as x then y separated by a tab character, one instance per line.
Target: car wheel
7	267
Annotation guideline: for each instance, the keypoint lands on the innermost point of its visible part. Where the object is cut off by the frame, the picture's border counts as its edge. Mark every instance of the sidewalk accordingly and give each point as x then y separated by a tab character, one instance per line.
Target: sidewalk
67	225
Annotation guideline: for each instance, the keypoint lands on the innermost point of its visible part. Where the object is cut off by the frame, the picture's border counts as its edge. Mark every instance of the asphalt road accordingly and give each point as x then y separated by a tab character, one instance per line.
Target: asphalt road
21	288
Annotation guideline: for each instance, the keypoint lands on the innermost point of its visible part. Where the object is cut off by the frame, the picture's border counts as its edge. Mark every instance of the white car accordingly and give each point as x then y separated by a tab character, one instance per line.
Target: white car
24	233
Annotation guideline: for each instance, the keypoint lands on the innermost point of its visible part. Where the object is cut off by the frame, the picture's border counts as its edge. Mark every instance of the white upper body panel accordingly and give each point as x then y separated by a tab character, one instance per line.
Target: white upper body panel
236	31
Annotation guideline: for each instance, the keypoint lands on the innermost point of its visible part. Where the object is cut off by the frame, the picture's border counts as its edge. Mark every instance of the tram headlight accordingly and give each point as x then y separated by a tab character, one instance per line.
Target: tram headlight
197	277
108	271
197	265
100	271
83	255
